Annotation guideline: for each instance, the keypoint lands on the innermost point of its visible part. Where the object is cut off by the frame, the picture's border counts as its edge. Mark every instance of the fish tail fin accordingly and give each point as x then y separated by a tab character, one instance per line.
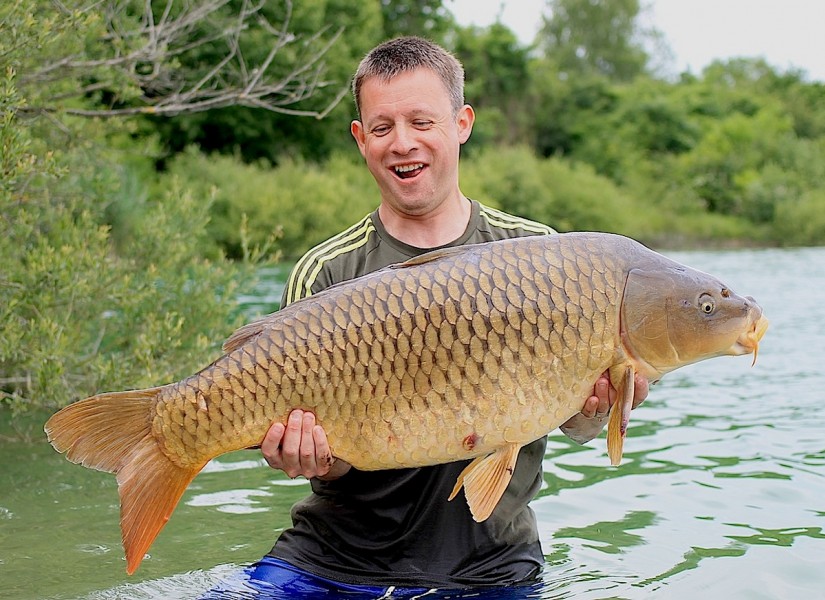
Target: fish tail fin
620	413
113	433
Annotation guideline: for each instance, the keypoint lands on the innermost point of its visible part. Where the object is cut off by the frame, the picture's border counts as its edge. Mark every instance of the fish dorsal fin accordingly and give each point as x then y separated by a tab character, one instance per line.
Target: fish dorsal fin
245	333
430	256
485	479
620	413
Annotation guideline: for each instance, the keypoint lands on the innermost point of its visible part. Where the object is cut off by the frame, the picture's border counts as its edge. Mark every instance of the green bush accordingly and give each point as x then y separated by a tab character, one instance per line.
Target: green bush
567	196
79	314
80	318
293	206
801	222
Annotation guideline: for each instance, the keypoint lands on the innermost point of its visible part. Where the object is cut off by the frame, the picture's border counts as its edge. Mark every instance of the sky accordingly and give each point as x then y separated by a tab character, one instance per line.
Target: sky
786	33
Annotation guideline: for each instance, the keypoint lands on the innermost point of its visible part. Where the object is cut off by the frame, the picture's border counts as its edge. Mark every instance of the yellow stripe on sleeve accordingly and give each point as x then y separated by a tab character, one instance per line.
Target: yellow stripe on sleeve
307	268
507	221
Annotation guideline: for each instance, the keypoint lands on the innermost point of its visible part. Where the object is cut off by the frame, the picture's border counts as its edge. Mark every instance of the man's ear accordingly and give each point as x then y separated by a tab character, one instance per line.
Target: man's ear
466	118
357	130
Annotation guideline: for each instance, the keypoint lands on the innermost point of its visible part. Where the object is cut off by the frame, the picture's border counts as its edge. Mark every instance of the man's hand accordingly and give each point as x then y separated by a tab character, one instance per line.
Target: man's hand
301	448
589	423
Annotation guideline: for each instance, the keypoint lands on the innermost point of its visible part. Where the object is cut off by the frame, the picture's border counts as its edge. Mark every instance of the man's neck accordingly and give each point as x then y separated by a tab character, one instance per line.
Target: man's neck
438	228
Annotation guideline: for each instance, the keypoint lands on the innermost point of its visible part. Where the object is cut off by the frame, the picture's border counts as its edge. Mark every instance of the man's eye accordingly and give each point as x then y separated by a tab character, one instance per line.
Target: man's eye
381	130
422	124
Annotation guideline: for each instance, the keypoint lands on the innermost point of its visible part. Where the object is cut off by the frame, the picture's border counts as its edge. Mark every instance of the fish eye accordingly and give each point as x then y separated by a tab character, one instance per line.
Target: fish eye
706	304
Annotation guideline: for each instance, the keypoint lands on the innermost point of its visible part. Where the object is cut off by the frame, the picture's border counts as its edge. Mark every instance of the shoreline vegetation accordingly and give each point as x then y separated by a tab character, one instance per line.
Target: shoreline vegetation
142	184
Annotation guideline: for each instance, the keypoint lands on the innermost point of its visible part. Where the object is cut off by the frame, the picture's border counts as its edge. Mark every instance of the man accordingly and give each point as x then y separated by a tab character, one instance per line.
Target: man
396	527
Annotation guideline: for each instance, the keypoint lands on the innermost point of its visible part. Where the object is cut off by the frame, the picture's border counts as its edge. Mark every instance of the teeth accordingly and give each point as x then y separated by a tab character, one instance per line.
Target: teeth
408	168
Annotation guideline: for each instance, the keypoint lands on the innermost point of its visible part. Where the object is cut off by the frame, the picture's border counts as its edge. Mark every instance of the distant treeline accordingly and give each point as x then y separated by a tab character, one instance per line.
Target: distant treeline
151	154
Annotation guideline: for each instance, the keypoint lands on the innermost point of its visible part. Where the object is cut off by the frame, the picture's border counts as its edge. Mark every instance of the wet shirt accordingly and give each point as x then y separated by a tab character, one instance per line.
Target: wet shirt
396	526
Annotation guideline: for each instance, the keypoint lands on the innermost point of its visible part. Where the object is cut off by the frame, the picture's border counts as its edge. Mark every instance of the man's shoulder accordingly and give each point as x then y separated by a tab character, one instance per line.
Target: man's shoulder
497	224
327	262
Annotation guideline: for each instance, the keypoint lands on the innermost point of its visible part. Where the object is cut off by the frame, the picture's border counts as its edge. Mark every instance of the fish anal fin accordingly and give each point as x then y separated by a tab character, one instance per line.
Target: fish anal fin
624	381
485	479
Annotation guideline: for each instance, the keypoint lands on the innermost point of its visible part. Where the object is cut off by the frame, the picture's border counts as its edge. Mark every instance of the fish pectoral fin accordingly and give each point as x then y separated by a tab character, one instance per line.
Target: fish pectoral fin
485	479
620	413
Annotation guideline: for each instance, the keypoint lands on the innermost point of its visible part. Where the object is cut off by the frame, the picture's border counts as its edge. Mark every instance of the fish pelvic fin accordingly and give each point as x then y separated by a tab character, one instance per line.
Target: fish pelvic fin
113	433
485	479
620	412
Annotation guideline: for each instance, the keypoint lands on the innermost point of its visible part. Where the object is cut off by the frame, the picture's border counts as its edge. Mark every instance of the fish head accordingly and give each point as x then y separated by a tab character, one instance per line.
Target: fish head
673	315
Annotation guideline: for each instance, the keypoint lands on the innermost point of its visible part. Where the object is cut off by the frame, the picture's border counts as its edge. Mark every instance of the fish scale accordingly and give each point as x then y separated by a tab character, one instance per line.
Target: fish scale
463	353
444	351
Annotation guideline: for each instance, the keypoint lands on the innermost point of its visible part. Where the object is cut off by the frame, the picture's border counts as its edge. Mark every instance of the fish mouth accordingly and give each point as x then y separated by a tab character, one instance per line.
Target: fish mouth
748	342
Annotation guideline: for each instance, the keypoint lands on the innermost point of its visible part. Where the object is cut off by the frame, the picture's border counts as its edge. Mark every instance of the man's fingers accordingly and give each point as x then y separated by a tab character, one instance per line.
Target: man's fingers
641	389
291	444
271	445
604	398
306	456
590	407
323	454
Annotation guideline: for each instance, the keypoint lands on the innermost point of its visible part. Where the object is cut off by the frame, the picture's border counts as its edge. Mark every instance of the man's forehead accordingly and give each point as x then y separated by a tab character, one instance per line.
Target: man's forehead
406	89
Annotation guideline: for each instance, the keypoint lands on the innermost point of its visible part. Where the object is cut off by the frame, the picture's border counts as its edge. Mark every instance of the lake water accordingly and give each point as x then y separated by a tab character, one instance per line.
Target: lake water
721	493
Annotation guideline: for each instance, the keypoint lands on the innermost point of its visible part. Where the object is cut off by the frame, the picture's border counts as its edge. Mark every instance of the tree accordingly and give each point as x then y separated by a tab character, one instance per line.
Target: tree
254	134
426	18
497	73
78	312
584	37
146	58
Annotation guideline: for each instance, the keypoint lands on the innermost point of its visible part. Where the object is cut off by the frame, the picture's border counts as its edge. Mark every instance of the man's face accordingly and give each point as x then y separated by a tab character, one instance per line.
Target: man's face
410	138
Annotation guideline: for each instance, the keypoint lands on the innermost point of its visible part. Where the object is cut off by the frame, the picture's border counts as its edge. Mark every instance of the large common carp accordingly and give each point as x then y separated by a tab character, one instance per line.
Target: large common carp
469	352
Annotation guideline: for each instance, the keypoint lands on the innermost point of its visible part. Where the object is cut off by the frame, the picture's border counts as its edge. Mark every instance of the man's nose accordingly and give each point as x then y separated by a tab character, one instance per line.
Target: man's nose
403	141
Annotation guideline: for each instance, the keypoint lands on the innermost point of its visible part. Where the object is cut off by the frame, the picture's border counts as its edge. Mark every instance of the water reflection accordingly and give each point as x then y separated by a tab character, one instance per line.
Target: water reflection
239	501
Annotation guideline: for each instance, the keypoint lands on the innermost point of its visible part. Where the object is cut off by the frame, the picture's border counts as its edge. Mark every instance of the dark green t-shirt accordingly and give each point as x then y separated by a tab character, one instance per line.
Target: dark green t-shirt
396	526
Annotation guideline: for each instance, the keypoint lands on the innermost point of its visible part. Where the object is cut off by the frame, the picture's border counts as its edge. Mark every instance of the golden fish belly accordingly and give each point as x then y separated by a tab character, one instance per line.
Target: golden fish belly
416	365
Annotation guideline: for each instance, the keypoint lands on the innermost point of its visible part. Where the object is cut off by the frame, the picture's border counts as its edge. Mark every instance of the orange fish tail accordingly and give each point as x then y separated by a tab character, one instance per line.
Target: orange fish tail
113	433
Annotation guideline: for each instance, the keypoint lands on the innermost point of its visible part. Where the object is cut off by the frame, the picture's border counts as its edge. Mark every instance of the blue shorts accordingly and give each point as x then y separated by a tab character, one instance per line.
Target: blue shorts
274	579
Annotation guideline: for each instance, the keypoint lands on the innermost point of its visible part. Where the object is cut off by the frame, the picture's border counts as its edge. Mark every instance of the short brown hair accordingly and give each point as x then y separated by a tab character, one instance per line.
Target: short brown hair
405	54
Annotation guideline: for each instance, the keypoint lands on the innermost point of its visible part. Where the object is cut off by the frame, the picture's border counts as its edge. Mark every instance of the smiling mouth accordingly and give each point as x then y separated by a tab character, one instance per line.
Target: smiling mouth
408	171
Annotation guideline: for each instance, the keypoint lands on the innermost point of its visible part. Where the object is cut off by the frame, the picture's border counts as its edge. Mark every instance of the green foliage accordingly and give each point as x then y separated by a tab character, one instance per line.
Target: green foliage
567	196
79	318
427	18
293	206
732	150
496	73
78	314
801	221
570	108
254	133
594	37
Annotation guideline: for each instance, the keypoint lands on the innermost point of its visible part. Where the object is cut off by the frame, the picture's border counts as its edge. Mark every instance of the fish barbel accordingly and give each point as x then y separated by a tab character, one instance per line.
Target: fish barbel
464	353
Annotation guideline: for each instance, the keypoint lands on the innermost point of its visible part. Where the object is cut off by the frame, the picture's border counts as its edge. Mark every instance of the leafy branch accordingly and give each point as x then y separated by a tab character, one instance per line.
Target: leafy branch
142	64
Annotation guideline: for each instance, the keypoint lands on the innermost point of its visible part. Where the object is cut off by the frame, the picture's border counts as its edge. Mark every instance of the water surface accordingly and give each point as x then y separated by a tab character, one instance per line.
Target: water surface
721	493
